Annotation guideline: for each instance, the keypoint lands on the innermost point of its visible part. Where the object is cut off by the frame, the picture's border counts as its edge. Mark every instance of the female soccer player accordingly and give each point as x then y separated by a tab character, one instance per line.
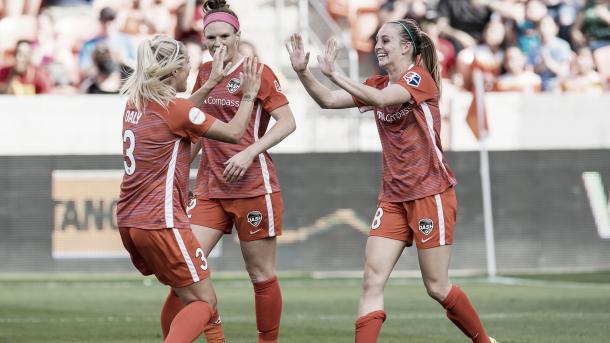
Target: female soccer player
158	129
237	184
417	198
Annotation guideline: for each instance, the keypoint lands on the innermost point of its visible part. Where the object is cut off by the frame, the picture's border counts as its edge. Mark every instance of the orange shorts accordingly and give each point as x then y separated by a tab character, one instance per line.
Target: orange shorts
254	218
429	221
173	255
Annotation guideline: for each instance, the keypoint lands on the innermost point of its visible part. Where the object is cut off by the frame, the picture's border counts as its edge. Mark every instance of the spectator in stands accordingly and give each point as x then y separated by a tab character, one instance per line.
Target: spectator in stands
463	21
108	77
444	49
525	17
593	25
584	78
489	55
189	21
23	77
551	59
517	78
120	44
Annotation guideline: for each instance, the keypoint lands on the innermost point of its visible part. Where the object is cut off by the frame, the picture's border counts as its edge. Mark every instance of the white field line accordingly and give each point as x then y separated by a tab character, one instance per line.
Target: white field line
544	283
289	317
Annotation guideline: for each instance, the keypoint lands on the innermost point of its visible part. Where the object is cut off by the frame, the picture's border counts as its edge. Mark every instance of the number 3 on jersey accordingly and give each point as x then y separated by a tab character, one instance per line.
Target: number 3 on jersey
130	167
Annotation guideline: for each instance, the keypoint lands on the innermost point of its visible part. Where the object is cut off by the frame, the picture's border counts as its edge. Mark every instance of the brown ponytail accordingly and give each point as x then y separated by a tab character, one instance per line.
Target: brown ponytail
213	6
423	46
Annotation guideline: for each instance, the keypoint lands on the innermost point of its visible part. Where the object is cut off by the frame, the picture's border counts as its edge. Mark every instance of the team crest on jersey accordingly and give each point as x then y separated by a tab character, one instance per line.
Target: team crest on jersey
412	78
426	225
233	85
277	86
255	218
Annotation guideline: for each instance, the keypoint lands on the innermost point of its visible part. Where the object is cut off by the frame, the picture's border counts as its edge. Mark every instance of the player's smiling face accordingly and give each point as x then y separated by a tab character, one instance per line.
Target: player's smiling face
389	48
220	33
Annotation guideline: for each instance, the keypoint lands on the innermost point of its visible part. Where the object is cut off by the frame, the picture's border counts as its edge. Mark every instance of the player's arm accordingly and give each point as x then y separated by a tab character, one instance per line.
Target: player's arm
325	97
284	125
391	95
216	75
232	131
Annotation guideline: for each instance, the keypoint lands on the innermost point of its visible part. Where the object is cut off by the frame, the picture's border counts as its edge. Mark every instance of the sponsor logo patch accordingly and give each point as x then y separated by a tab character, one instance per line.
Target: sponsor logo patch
196	116
412	78
233	85
426	225
255	218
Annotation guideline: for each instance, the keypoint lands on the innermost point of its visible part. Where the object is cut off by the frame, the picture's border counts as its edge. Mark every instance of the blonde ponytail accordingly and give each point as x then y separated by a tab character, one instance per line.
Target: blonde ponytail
157	59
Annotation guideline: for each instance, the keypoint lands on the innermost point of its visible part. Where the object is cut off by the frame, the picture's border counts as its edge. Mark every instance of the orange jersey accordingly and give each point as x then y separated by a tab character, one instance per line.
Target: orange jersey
223	103
156	157
414	165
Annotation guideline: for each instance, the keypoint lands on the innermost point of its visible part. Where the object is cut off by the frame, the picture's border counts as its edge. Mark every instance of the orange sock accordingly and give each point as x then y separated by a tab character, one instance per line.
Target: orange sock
189	322
268	305
369	326
213	331
461	312
172	306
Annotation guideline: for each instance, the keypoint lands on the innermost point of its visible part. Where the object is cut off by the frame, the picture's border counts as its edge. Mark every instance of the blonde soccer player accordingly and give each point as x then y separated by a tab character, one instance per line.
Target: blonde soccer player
158	129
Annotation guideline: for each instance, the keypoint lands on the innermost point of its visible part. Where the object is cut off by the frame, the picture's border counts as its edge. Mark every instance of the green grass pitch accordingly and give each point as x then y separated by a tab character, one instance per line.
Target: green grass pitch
89	309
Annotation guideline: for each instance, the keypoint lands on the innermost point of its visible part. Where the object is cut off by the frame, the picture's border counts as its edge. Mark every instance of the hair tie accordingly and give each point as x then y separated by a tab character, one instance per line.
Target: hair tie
409	33
221	16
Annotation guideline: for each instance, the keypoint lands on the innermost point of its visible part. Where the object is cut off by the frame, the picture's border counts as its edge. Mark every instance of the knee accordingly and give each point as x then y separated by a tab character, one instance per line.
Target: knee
438	290
260	274
372	282
189	297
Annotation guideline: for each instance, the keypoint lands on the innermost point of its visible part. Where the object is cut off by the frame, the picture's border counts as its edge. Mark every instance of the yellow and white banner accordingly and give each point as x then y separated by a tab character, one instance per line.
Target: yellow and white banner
85	214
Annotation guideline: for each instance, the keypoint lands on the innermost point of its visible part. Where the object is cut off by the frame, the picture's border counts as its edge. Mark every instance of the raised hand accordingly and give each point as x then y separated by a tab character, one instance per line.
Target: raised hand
218	72
327	61
250	78
296	51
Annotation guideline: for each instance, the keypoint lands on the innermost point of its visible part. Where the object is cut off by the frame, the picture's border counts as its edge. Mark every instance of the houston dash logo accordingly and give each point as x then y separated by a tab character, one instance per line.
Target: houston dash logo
233	85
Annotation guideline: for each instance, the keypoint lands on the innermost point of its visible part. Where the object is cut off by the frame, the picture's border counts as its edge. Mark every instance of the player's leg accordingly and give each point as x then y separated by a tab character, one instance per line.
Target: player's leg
259	221
432	220
388	237
259	257
434	264
199	301
210	222
380	257
209	237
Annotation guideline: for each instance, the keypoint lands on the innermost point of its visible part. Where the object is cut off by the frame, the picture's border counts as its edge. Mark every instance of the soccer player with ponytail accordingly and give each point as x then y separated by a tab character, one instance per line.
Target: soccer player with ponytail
158	129
417	200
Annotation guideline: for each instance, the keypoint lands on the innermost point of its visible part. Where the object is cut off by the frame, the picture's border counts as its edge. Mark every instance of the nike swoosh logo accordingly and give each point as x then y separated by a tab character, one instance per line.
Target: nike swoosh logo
255	231
427	239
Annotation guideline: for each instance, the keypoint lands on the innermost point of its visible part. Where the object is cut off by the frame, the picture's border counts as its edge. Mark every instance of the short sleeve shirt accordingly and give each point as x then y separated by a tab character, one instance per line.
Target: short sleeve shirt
156	158
414	165
223	103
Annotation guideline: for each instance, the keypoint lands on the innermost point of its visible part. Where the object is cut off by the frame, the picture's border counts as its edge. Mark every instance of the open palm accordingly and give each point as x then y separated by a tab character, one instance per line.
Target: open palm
296	50
327	61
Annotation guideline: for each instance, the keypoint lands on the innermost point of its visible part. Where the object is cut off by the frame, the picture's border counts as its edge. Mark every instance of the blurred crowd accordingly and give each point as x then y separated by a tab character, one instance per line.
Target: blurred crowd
520	45
89	46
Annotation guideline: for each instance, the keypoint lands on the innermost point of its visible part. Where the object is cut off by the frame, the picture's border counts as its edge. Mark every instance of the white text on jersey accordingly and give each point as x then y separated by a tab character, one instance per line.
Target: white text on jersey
132	117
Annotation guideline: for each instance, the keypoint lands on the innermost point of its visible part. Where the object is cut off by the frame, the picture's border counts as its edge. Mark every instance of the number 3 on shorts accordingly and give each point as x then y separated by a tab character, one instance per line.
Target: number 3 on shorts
200	255
377	219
